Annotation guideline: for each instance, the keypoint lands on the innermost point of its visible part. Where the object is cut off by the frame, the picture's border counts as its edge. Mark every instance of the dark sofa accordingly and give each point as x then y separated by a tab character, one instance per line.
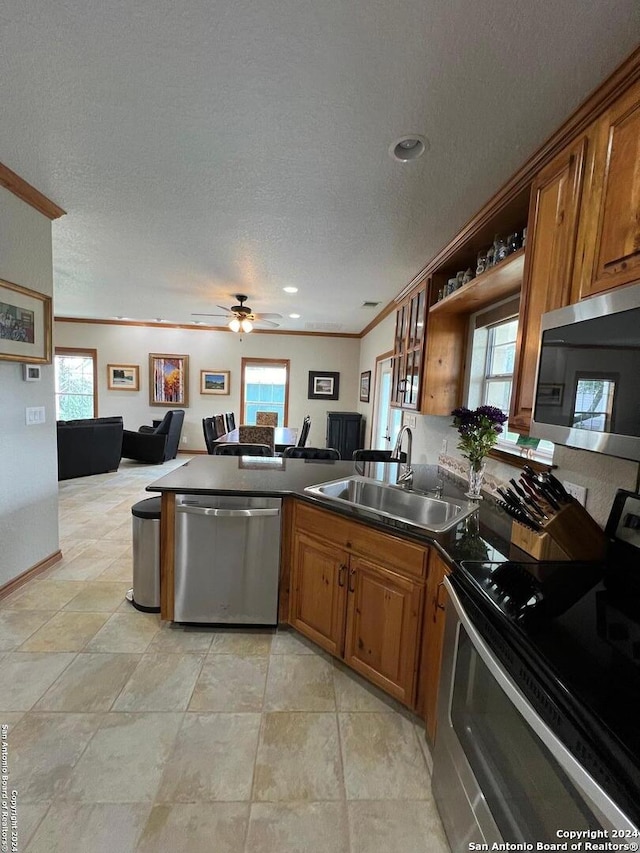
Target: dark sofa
89	446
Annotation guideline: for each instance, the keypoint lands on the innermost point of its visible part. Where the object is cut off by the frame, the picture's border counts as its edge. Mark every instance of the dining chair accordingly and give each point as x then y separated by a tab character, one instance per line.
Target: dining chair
311	453
267	419
364	455
209	430
304	432
220	424
229	448
230	421
248	434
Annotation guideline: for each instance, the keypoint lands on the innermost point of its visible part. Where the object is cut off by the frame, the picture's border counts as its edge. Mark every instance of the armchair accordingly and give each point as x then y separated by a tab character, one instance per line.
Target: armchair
154	444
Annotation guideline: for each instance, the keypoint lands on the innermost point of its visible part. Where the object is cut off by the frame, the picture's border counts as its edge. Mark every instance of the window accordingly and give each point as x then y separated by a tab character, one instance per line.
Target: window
76	384
593	404
265	388
493	350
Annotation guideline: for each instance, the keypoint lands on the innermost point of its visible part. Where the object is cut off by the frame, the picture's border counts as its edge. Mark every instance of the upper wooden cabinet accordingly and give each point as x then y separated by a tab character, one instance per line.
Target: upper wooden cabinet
609	248
408	350
550	252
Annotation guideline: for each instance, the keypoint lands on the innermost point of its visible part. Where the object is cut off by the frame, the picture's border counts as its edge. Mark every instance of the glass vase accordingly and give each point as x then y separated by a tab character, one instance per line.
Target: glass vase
476	477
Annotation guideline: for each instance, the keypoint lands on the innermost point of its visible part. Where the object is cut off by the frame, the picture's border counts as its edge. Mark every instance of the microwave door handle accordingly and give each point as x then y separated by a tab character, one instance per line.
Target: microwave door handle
593	793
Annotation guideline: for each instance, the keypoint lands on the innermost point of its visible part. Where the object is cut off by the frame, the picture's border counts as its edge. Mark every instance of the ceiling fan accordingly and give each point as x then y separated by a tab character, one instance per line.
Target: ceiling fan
241	318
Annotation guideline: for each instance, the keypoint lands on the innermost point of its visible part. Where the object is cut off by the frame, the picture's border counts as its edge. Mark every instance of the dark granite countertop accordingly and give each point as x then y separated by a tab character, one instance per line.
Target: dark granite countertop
481	536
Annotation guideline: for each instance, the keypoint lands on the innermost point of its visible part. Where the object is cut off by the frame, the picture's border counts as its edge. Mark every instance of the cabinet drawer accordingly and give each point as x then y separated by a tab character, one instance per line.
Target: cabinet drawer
392	551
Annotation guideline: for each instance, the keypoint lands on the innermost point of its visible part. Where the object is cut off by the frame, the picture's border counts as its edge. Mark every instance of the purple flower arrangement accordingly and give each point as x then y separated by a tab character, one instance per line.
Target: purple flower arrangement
479	430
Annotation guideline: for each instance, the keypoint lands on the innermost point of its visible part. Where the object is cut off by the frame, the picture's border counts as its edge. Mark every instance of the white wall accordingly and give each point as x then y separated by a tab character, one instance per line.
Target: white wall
211	350
28	466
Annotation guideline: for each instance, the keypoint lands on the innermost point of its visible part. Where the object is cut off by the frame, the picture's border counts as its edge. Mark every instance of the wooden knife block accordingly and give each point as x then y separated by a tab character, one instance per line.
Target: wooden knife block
569	534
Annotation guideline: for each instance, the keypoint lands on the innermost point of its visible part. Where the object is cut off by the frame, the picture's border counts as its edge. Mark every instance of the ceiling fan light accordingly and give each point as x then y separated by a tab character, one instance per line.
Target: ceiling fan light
234	324
246	325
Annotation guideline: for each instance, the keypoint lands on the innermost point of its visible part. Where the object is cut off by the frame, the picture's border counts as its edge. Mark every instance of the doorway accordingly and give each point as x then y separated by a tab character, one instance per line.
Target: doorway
386	421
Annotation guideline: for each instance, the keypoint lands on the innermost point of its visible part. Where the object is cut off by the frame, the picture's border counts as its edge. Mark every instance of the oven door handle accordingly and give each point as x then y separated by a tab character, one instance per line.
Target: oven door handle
598	799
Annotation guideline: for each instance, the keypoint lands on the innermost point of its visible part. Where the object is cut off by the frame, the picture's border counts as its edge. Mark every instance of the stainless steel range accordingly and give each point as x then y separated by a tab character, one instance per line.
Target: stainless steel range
537	722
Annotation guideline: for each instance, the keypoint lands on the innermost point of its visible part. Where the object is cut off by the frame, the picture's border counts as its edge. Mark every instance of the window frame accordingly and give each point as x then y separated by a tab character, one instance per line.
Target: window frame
264	362
80	351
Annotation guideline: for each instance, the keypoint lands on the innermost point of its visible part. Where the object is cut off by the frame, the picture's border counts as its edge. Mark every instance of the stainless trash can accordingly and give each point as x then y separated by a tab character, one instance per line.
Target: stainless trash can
145	594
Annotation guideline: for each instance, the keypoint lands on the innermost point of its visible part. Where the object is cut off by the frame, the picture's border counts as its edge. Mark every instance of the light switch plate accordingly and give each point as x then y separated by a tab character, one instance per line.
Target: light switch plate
410	421
34	415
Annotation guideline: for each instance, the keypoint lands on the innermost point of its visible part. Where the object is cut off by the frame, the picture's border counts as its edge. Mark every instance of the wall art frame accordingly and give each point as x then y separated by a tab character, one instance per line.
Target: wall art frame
215	382
168	380
323	385
25	324
123	377
365	386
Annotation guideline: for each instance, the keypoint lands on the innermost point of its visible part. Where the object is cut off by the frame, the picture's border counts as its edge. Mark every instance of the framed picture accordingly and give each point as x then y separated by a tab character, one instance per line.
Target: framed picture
123	377
168	380
323	386
31	372
624	519
550	394
25	324
215	381
365	386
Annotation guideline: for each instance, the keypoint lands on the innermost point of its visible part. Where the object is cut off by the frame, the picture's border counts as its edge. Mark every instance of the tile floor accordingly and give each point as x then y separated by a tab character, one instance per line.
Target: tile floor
127	734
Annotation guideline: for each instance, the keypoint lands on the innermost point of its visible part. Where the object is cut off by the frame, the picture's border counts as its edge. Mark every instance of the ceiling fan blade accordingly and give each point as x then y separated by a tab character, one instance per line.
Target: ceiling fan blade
224	308
264	322
268	316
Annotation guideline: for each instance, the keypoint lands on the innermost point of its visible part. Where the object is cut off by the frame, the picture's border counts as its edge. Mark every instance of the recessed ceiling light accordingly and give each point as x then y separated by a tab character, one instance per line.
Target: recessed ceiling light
294	316
408	147
290	289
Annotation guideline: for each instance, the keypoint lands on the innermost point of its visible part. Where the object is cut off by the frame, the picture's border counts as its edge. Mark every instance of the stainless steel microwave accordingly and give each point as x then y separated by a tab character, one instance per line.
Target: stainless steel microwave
588	378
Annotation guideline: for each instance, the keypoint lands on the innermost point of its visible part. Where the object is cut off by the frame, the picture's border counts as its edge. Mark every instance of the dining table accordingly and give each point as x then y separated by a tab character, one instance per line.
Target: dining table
283	437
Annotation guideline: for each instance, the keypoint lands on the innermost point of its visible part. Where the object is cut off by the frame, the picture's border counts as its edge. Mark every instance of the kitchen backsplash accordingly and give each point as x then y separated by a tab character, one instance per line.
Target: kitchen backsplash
601	475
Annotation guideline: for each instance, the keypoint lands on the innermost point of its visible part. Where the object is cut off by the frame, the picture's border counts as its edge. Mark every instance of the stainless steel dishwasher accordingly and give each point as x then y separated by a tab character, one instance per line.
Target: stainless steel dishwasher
227	559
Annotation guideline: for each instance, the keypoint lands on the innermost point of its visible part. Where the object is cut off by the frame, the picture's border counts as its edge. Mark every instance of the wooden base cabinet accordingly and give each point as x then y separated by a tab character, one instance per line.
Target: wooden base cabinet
319	592
355	601
383	619
432	638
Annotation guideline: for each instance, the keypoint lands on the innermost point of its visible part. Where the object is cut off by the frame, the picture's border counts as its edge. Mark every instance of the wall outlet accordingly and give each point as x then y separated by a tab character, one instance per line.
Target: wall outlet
578	492
184	439
410	421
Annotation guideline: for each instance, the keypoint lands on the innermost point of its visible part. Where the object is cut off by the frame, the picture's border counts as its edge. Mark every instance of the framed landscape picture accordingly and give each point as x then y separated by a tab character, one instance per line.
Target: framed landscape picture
123	377
323	385
215	381
168	380
25	324
365	386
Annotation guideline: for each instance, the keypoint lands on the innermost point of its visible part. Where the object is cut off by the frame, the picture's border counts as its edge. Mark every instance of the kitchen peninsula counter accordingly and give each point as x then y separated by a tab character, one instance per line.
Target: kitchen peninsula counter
483	535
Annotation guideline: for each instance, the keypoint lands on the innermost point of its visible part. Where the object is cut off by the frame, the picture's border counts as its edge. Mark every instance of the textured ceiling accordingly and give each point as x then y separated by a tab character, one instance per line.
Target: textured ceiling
203	149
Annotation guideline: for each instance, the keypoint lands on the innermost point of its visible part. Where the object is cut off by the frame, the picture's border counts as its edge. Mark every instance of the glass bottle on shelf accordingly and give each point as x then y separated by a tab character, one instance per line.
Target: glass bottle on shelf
481	263
513	242
491	253
500	250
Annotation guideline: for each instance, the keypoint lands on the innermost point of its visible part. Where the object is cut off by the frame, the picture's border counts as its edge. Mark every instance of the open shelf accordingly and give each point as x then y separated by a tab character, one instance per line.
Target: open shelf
497	283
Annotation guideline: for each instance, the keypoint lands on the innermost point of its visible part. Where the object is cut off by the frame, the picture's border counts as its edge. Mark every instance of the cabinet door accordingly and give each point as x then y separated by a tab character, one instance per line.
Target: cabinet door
432	637
383	615
552	230
611	232
318	592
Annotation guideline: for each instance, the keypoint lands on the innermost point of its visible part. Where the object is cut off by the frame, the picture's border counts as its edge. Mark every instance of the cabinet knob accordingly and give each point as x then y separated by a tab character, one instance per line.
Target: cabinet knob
341	575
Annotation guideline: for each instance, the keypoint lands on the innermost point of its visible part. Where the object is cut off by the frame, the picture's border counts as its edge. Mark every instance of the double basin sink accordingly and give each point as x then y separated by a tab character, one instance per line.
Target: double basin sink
432	514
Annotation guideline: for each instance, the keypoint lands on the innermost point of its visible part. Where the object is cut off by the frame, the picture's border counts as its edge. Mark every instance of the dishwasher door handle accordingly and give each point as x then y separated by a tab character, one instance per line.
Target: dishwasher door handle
227	513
